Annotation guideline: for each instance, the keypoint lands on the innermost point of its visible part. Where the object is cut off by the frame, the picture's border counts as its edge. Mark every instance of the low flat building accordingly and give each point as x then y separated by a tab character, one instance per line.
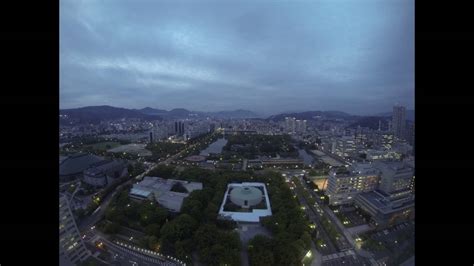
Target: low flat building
105	172
387	209
375	155
279	162
169	193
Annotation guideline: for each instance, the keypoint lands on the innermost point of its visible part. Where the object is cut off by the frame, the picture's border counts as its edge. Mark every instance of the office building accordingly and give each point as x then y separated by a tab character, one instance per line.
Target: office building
386	209
179	128
394	176
344	146
410	132
399	121
394	201
344	183
71	247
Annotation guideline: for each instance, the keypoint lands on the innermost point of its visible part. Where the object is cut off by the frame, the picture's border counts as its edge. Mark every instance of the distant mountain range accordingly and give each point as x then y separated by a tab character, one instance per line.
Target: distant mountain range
95	114
312	115
180	113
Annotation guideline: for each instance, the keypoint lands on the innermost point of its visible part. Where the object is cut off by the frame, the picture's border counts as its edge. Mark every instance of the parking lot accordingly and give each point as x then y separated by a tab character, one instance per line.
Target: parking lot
394	242
355	218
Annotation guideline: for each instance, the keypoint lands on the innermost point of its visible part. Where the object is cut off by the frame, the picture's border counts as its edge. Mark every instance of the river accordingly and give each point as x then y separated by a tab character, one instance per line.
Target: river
307	158
215	147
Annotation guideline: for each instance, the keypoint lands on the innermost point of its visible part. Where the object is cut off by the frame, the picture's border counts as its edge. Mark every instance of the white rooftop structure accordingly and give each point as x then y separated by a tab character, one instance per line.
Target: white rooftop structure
246	195
160	189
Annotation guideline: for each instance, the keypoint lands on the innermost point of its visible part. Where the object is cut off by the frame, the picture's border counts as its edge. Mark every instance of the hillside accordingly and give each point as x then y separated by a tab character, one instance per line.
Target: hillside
95	114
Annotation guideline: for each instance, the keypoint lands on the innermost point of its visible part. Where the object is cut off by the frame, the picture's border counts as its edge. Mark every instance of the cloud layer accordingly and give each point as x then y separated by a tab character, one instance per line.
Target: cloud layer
265	56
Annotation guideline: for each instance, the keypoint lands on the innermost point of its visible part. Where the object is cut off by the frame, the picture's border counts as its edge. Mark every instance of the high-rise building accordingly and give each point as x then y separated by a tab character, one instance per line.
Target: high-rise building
346	183
151	136
290	123
300	126
399	121
410	132
181	129
71	247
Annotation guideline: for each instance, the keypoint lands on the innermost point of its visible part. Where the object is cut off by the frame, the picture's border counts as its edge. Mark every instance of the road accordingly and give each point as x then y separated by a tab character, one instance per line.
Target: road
347	242
315	217
125	256
122	255
328	214
89	221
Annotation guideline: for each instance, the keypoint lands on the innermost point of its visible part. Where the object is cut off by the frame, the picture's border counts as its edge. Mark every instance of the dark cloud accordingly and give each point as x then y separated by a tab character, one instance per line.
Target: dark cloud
266	56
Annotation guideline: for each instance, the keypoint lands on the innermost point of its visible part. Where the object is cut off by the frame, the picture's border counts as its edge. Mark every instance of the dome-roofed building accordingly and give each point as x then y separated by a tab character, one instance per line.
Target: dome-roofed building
246	196
245	202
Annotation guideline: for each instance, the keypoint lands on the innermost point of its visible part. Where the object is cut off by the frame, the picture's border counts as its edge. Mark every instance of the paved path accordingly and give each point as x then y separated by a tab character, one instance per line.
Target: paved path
317	257
338	255
244	165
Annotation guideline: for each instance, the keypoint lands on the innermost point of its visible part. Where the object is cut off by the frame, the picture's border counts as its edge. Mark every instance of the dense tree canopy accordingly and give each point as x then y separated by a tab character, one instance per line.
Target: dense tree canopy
249	146
162	150
197	229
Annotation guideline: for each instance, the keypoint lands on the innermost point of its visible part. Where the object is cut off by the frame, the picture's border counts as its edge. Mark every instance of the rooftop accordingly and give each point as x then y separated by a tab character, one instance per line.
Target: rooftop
255	214
161	189
384	203
77	163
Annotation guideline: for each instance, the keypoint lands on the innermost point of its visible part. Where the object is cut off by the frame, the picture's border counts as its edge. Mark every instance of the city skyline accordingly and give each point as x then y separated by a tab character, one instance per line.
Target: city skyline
355	57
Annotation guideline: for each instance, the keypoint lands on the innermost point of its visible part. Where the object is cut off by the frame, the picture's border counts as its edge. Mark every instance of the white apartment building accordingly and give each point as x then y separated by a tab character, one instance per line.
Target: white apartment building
346	183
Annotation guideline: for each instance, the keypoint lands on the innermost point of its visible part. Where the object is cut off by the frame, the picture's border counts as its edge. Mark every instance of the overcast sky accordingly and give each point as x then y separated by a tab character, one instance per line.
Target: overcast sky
269	57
